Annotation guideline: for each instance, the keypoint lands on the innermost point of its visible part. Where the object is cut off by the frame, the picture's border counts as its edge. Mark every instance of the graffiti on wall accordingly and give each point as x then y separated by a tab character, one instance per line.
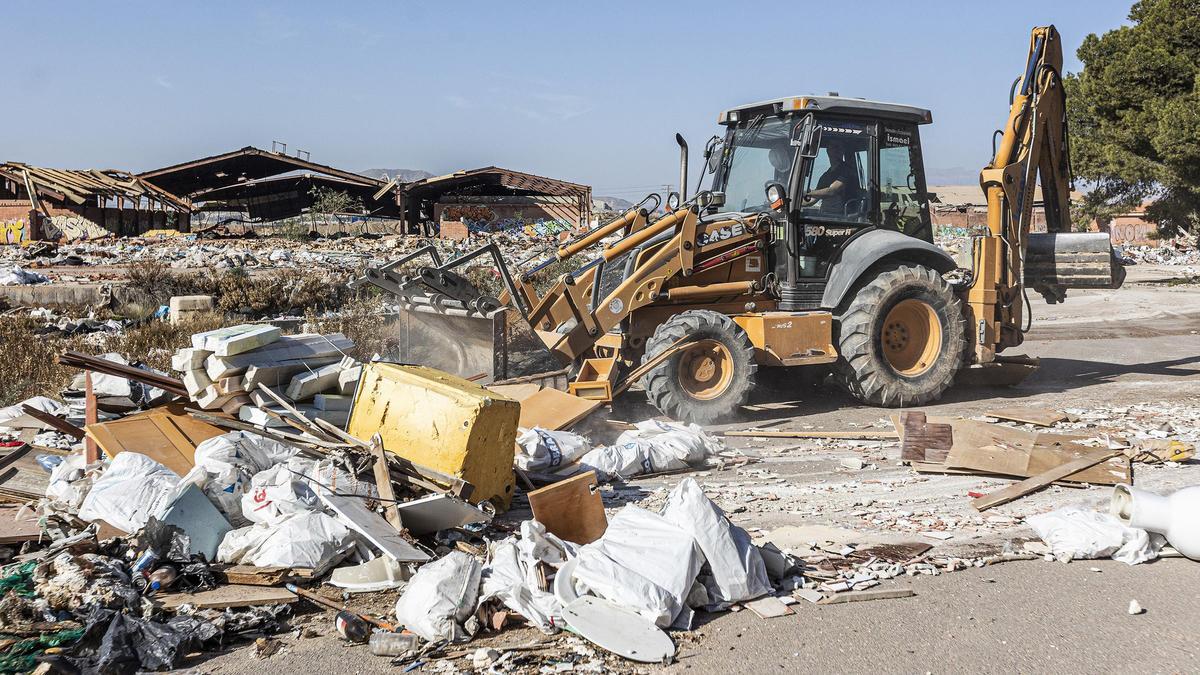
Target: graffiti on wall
13	232
72	228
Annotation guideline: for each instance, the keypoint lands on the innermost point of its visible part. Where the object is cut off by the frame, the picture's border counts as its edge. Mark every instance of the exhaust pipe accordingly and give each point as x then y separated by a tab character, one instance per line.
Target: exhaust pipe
683	167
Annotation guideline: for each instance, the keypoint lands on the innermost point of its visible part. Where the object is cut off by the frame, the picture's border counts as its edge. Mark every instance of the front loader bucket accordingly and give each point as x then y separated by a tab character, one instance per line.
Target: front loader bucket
486	347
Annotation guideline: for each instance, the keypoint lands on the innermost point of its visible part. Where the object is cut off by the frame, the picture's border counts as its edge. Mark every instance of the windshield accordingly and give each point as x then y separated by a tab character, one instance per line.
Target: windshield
757	153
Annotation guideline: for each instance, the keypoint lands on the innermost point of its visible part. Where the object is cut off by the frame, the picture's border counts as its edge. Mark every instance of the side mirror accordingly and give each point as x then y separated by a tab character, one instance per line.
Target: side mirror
776	195
672	202
806	136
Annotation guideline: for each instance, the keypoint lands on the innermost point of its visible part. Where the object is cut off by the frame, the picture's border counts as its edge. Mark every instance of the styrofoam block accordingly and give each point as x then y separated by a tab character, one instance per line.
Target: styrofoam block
231	345
199	339
331	402
306	385
281	375
189	358
196	381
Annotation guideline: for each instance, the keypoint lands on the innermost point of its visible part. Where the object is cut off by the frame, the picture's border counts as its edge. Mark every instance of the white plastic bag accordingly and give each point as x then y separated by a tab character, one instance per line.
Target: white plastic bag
312	540
226	464
645	563
736	569
132	488
440	597
13	417
1072	532
67	484
279	493
511	575
653	446
543	450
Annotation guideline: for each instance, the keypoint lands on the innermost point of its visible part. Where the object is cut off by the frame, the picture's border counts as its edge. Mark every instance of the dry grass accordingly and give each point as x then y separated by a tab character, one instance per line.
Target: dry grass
152	283
30	369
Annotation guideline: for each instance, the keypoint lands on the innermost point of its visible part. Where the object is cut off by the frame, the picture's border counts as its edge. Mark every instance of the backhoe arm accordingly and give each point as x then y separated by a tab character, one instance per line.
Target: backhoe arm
1033	146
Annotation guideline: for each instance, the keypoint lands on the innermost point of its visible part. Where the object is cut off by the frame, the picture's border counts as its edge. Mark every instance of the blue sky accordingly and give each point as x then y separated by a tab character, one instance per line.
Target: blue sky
591	92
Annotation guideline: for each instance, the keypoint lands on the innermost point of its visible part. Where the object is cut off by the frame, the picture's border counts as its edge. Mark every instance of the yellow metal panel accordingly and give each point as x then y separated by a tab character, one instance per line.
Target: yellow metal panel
440	421
790	338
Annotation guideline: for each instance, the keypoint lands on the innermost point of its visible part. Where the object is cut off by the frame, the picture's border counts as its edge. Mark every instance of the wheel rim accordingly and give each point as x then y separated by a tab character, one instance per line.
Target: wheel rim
911	337
705	369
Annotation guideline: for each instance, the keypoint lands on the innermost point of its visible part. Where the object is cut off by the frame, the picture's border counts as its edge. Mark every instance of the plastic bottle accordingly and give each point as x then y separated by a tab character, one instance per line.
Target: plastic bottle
144	563
384	643
48	462
161	578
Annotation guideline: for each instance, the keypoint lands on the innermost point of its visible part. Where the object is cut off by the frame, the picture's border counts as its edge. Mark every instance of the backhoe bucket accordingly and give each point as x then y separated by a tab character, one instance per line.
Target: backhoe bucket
1056	261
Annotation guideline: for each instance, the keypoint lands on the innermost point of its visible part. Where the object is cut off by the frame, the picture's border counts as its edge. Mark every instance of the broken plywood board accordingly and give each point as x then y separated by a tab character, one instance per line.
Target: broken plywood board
1042	417
921	439
1000	450
873	594
571	509
517	392
1043	479
21	477
223	597
866	435
18	531
162	435
553	410
371	525
438	512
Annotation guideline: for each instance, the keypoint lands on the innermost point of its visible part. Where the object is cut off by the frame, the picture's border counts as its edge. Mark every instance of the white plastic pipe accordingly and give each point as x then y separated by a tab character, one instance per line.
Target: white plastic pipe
1177	517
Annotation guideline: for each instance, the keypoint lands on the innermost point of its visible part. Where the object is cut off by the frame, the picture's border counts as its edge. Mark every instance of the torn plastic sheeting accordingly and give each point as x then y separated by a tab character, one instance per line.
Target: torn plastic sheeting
653	446
132	488
115	642
440	597
736	569
311	540
511	575
643	562
1072	532
543	450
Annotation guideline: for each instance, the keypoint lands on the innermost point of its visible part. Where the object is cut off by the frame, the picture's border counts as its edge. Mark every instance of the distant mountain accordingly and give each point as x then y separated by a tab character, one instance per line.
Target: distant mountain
610	204
405	175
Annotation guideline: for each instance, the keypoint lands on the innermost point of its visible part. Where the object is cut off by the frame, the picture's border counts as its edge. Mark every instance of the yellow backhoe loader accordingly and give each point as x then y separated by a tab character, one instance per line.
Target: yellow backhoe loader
812	247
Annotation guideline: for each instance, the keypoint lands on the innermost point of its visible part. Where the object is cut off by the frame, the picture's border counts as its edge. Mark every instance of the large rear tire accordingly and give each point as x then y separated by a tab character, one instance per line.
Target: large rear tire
710	378
901	338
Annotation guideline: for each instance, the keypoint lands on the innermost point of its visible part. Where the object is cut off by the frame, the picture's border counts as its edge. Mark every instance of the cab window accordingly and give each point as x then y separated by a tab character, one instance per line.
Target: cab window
903	202
837	188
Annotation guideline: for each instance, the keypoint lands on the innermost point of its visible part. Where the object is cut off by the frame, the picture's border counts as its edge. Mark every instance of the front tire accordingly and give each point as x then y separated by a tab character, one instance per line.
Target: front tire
711	377
901	338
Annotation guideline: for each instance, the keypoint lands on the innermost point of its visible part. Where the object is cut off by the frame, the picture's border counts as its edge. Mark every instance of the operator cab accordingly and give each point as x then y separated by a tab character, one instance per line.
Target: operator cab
826	168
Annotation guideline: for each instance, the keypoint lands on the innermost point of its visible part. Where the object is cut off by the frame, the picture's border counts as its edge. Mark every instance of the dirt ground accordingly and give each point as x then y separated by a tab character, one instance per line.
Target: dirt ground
1127	357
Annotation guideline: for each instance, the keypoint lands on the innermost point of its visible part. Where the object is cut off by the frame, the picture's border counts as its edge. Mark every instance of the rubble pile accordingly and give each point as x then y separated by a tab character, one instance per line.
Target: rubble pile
197	252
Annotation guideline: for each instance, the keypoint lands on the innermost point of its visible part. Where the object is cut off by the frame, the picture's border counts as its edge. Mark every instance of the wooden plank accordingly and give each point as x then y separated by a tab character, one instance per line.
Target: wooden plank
517	392
844	435
980	447
383	483
249	575
223	597
872	594
91	452
1018	490
552	409
1042	417
571	508
58	424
